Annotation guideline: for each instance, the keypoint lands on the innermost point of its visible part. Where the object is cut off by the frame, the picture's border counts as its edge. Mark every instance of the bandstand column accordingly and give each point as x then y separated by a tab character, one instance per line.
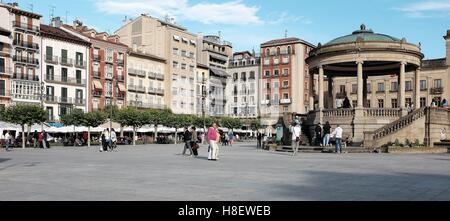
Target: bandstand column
330	92
321	89
417	89
311	91
401	88
360	84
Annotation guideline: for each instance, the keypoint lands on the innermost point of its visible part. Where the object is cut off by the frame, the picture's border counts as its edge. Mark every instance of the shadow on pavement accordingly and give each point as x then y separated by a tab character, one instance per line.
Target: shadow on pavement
4	159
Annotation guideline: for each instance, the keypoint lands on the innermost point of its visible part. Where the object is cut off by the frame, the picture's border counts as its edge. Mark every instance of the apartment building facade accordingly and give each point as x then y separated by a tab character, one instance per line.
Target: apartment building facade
164	38
243	85
5	59
201	89
216	54
25	78
146	75
65	70
107	67
285	77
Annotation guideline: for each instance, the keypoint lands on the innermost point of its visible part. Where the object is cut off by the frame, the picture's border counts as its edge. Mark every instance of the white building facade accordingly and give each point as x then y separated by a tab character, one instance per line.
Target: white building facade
243	86
65	69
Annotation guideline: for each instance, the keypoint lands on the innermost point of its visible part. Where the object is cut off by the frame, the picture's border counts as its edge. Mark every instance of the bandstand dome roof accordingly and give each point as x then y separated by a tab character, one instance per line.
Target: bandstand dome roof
363	35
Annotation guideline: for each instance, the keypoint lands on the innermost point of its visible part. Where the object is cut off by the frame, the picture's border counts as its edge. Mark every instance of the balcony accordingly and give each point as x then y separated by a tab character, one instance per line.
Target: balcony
341	95
285	87
136	88
97	57
96	93
265	102
80	64
26	77
160	91
64	79
285	101
120	62
50	99
285	60
121	96
51	59
5	71
266	62
97	74
120	78
66	62
244	79
26	45
135	72
160	76
25	27
140	104
79	102
109	76
437	90
109	60
276	61
25	60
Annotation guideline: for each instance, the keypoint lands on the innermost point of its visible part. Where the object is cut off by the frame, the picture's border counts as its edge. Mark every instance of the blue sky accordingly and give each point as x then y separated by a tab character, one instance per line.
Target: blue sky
247	23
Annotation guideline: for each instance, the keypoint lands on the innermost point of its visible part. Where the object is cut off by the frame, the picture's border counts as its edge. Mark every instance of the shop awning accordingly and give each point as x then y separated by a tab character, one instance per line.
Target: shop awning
97	85
122	88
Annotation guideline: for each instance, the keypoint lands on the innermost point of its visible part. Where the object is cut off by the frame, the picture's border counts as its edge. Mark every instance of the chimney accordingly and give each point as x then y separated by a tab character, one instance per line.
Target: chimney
56	22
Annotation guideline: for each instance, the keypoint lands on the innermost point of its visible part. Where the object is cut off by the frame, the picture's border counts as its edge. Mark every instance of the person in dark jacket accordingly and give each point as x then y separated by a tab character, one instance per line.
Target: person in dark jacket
346	103
187	142
194	141
326	134
318	131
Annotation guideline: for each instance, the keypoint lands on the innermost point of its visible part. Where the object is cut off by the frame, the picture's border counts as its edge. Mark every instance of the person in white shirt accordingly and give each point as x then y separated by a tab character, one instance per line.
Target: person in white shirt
296	132
8	139
113	139
337	133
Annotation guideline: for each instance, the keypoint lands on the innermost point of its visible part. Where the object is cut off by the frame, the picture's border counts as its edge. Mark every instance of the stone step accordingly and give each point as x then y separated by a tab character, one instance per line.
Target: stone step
327	150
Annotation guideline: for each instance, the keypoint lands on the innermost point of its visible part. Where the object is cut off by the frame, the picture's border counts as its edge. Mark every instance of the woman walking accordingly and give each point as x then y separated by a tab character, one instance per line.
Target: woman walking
213	139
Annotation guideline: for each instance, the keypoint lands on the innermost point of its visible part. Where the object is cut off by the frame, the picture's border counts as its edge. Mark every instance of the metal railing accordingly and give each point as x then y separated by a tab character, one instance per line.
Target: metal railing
51	59
97	57
136	88
120	62
5	71
120	78
26	44
80	64
65	79
66	61
97	74
28	77
34	28
25	60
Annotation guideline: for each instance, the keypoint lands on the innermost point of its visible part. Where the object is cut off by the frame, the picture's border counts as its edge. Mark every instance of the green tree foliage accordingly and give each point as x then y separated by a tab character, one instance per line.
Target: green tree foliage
93	119
132	117
25	115
230	123
159	117
178	121
256	124
75	118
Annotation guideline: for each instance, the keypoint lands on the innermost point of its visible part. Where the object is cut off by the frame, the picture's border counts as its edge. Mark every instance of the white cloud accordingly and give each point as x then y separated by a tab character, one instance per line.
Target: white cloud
231	12
426	9
285	17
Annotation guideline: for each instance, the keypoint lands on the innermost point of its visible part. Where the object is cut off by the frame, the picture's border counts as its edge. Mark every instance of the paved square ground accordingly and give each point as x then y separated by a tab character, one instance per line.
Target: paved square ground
159	172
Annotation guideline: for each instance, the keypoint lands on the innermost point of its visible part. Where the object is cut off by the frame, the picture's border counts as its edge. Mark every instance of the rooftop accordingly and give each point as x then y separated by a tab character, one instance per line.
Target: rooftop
363	35
434	63
283	41
53	32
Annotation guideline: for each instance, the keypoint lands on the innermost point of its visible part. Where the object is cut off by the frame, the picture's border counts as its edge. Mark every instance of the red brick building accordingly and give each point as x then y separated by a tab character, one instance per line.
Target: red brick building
107	67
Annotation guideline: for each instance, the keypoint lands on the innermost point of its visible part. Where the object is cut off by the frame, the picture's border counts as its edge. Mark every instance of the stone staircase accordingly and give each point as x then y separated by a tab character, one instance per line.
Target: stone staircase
381	136
312	149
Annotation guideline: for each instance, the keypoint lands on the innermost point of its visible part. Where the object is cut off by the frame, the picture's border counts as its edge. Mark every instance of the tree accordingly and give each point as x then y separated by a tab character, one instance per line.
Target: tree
75	118
2	114
159	117
178	121
93	119
256	124
25	115
230	123
113	110
132	117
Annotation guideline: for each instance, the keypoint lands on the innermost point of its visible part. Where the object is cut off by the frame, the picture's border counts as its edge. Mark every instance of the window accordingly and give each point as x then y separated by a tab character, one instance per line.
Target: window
183	53
64	56
394	86
278	51
175	64
64	94
50	113
2	65
191	67
109	54
267	97
289	50
78	76
267	73
380	103
2	88
285	109
408	101
423	85
369	88
49	53
174	90
63	111
276	73
252	75
79	96
268	85
285	84
50	73
285	96
285	72
183	66
175	51
235	99
423	102
408	86
276	84
394	103
438	83
64	74
354	88
79	58
267	52
342	88
174	77
380	87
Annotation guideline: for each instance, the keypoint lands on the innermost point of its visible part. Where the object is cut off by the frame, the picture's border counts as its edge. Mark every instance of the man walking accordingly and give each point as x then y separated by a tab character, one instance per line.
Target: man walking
296	132
259	138
8	139
337	133
195	141
187	142
326	134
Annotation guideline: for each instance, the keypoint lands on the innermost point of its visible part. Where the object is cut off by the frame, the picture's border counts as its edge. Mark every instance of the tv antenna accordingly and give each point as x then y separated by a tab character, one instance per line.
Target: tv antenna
285	33
52	12
67	13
